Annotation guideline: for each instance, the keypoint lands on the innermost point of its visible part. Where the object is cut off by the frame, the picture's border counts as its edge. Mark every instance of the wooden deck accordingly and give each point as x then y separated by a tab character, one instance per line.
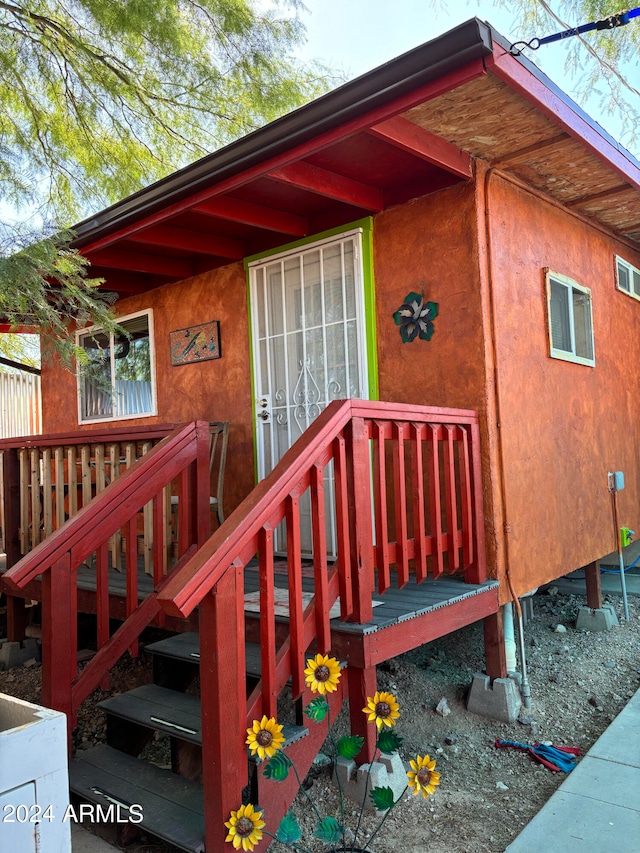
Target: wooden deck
415	614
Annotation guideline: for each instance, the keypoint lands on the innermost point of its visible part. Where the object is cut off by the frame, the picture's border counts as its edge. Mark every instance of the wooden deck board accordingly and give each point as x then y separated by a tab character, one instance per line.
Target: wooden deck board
398	605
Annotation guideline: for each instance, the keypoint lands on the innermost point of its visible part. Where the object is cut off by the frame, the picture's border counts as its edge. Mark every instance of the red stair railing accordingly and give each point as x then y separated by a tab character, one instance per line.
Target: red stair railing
182	456
423	497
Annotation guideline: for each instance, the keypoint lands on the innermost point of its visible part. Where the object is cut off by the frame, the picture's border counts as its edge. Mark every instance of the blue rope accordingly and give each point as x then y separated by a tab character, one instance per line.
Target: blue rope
609	23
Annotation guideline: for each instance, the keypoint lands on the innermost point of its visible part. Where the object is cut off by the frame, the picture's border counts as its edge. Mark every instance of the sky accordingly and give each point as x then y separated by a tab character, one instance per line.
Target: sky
358	35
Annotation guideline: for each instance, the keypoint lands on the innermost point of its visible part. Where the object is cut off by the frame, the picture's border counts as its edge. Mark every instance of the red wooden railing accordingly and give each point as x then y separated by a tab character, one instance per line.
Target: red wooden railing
410	473
182	457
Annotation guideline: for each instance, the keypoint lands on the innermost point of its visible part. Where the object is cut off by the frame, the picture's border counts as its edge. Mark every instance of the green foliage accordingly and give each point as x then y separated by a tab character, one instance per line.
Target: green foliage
328	830
44	285
277	767
288	831
317	709
101	98
349	746
382	798
389	741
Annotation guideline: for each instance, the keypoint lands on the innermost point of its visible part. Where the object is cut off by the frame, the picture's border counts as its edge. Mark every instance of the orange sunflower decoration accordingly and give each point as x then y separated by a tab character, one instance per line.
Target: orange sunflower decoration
245	827
422	776
265	737
383	709
322	674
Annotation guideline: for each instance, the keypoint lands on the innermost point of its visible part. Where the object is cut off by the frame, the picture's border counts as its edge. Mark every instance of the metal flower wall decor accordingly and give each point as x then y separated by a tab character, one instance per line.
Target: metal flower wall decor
415	317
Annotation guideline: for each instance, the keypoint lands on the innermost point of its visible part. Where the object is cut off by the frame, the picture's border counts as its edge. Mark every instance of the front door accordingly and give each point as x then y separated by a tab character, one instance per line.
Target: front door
309	347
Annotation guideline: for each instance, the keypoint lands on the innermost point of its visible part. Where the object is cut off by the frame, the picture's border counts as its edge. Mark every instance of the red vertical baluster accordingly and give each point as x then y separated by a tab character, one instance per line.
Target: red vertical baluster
362	569
477	571
437	536
400	490
380	432
267	623
453	537
419	521
464	463
102	601
132	575
321	580
294	560
342	525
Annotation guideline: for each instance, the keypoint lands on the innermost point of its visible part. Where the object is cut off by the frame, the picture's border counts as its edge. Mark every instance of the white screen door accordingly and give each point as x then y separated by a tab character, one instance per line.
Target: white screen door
309	348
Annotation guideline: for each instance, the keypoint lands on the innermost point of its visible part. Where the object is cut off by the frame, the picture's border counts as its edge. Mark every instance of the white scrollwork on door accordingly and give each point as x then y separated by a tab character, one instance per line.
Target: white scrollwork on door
280	397
306	396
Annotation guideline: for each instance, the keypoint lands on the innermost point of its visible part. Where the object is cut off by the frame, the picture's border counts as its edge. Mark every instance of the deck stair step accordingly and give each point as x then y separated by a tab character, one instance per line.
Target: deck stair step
185	648
171	806
173	713
159	709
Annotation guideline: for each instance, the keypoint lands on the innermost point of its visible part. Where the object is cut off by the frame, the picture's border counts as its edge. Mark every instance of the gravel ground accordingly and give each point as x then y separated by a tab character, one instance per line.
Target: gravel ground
579	682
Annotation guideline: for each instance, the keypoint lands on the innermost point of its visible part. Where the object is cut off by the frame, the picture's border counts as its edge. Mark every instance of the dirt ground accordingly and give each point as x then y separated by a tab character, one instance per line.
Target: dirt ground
579	683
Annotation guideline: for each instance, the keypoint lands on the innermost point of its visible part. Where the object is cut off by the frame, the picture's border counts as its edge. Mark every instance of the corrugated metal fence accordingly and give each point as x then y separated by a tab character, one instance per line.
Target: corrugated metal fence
20	408
20	414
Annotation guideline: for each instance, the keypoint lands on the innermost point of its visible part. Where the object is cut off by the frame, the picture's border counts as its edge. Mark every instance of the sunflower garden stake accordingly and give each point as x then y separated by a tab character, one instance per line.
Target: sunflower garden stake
265	739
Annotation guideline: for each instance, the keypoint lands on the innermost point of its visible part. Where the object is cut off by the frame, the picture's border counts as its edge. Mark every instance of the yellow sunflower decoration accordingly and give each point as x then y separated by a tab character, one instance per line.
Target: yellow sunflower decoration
383	709
265	737
245	827
422	776
322	674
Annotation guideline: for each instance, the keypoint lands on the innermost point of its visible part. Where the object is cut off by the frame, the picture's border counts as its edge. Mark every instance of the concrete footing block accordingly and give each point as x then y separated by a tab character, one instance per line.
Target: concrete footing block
15	654
356	782
601	619
500	700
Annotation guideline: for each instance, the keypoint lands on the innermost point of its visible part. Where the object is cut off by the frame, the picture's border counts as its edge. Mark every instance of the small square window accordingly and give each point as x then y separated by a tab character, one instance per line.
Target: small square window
117	382
570	320
628	278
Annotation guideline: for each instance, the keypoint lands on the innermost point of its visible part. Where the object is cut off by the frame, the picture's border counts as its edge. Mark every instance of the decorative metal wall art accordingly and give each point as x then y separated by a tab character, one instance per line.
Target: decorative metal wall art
196	343
415	317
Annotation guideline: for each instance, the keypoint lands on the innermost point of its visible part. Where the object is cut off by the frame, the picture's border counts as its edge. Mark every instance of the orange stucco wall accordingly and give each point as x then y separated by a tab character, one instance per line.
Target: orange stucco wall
551	432
563	426
219	389
435	240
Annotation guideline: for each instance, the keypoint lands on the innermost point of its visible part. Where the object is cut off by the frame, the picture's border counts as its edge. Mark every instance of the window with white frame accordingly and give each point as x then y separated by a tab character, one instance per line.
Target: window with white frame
628	277
118	379
570	320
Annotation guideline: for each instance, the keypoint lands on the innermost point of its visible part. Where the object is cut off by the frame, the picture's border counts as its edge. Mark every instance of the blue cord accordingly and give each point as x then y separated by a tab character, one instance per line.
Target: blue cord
611	571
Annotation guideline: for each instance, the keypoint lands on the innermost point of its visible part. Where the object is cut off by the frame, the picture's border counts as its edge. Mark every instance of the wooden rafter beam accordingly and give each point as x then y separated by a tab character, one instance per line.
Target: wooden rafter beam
537	148
330	185
124	282
404	134
191	241
199	199
613	192
257	215
138	262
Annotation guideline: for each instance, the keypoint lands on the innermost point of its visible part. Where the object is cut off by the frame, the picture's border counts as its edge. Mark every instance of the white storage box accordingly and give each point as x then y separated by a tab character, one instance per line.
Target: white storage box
34	779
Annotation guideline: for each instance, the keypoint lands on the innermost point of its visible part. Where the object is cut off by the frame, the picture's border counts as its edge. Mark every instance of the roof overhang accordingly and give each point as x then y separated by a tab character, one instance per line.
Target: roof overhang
406	129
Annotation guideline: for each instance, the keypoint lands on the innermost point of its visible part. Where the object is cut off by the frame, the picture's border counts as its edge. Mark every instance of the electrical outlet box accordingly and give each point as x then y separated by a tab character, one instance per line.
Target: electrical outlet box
626	536
616	481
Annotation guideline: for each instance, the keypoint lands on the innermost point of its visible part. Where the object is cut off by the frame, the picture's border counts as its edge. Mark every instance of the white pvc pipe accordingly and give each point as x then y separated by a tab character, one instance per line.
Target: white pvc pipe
509	637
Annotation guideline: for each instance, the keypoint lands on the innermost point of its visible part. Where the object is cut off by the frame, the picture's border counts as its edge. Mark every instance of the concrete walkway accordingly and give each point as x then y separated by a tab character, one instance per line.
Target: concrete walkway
597	807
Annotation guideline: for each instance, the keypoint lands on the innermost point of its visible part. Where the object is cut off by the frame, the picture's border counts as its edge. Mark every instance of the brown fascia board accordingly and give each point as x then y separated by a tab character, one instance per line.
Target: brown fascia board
470	41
